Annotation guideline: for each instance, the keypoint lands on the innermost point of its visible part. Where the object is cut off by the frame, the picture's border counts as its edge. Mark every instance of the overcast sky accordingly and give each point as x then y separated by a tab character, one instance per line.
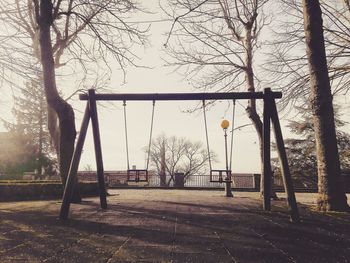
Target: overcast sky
170	118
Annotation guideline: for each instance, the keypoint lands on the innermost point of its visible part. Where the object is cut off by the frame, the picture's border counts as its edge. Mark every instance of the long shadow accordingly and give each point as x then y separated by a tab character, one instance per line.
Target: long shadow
70	232
219	223
245	234
305	231
280	217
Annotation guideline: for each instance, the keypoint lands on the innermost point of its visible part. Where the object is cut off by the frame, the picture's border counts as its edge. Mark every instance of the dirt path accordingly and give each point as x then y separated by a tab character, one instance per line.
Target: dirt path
172	226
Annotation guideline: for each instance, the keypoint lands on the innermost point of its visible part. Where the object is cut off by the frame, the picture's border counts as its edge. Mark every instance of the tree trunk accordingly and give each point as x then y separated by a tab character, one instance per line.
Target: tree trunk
331	196
40	151
162	174
66	121
251	108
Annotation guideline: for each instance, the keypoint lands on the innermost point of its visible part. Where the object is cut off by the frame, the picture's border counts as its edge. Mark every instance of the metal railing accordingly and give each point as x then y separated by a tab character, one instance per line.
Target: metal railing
119	179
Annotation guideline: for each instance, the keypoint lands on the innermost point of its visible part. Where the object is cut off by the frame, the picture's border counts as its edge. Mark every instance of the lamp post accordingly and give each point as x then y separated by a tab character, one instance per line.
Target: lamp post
224	125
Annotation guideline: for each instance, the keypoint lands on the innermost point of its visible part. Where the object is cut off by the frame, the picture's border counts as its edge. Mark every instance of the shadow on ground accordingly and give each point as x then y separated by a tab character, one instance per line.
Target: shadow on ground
171	226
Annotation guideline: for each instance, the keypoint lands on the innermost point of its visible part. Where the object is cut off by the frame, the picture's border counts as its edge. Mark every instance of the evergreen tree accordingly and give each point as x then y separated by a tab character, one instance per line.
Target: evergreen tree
302	151
30	110
17	154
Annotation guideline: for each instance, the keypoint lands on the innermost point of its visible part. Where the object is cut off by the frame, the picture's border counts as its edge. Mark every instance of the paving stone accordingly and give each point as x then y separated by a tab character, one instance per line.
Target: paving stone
172	226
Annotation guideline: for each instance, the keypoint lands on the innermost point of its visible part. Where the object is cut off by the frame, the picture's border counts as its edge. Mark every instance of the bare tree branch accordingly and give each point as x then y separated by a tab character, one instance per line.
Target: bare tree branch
181	156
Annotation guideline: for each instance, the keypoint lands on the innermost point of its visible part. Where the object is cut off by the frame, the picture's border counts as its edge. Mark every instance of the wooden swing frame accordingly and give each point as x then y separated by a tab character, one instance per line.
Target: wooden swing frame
270	115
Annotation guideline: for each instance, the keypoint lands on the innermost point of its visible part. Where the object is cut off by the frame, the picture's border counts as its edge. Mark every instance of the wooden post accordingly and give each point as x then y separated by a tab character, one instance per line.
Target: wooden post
68	190
287	179
98	150
267	151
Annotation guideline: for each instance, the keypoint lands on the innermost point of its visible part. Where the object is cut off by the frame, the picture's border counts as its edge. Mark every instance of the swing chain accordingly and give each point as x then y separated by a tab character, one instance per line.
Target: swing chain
232	129
126	136
150	135
206	134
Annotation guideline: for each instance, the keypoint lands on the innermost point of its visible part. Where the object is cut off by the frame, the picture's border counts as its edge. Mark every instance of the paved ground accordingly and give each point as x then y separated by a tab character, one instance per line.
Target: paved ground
172	226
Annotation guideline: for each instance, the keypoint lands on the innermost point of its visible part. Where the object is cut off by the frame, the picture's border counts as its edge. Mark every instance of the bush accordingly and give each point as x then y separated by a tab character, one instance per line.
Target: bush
36	190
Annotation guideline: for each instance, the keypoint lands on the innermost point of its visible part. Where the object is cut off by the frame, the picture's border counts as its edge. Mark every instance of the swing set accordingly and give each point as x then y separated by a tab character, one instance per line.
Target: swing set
270	114
217	176
142	175
137	175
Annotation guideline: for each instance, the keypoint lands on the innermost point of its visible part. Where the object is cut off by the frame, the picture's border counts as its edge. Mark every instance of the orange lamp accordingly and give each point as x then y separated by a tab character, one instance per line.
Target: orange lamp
225	124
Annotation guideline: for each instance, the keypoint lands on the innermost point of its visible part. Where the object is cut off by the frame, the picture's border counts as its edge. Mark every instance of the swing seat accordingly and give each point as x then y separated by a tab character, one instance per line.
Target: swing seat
220	176
137	175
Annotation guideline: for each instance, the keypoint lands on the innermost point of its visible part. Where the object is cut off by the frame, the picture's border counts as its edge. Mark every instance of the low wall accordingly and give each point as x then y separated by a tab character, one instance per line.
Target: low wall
40	191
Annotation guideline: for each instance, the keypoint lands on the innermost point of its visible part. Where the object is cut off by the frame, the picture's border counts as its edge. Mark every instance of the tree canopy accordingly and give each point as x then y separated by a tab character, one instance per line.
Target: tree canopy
301	150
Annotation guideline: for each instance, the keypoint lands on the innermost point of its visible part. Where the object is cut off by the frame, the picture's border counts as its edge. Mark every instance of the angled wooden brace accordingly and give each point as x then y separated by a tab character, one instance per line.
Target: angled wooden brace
282	155
90	112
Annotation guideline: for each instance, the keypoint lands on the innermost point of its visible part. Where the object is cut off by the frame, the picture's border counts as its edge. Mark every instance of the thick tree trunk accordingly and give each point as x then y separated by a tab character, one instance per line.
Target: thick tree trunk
40	144
331	196
64	111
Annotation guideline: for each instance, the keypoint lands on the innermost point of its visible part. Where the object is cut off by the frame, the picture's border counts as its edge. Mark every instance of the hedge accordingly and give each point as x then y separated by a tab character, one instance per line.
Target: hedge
21	191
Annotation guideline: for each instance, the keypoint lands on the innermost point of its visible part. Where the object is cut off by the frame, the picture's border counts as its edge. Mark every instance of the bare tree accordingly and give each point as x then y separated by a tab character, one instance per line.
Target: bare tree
287	60
64	37
331	196
181	156
213	44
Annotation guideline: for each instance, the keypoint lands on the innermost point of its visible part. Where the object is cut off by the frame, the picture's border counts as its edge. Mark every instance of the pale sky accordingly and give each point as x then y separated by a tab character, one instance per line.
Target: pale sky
169	116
